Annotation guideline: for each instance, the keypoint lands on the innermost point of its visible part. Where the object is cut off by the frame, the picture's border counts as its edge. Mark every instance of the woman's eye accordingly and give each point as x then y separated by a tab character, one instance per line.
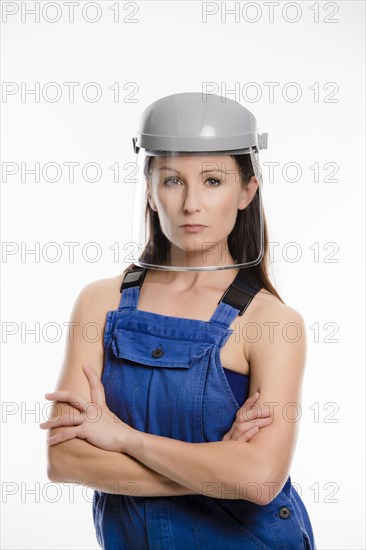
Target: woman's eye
168	180
215	180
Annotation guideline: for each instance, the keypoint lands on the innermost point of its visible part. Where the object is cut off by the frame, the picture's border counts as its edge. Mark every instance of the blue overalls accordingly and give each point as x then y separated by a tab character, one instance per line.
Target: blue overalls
163	375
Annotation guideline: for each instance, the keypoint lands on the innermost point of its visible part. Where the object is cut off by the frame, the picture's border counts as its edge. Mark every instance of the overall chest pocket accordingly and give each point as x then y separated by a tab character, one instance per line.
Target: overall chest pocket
156	384
155	351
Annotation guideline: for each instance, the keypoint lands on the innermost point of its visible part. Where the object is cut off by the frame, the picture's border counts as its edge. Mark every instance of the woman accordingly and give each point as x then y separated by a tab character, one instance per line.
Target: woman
202	466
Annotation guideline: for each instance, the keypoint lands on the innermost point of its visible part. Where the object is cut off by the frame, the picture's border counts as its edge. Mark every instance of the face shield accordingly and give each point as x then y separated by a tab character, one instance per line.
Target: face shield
197	202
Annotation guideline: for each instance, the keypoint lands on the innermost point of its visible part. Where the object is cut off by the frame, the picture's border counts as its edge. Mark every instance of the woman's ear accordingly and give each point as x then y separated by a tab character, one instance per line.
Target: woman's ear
152	205
248	193
151	202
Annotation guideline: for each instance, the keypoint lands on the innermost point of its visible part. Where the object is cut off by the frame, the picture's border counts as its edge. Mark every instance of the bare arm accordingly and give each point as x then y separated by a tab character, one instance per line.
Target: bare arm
276	372
110	472
77	461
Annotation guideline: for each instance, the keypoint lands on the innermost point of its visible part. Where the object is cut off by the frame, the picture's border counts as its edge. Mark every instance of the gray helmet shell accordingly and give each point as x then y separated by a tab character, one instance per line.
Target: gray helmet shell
196	122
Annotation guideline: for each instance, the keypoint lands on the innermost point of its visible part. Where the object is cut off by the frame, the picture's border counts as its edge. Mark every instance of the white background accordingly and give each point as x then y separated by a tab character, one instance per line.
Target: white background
170	49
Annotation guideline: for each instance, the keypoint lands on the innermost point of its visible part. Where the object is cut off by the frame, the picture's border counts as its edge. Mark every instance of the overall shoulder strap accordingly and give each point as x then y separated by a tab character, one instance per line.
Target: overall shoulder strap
130	286
233	302
235	299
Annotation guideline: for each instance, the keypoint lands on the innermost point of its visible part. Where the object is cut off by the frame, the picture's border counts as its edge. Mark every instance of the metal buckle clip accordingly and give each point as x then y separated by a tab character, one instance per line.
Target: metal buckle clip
132	276
234	301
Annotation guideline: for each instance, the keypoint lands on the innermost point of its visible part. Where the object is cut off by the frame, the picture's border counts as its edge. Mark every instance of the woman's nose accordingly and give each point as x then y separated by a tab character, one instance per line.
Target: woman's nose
191	199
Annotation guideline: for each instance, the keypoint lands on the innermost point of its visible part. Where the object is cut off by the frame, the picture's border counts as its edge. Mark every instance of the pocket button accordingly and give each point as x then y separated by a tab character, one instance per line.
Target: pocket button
157	352
284	512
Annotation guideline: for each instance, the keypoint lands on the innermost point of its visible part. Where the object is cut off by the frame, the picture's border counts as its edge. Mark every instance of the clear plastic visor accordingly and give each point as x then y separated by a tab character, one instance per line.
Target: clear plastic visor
198	211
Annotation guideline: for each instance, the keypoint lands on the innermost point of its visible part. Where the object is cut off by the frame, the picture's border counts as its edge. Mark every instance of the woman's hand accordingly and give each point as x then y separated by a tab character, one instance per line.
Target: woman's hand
95	423
248	421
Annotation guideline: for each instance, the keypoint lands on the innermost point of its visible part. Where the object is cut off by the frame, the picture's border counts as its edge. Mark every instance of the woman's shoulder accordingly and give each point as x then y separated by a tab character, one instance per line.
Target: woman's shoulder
265	318
102	294
267	308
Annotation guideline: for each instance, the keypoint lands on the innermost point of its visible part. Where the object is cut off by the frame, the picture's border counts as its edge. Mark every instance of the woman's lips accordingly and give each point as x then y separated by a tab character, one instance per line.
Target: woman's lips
193	228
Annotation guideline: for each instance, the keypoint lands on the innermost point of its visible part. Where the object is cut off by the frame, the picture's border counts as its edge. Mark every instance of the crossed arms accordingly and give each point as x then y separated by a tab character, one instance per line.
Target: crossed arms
152	465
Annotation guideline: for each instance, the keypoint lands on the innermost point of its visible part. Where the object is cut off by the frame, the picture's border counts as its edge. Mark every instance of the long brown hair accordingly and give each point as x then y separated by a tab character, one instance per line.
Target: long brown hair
243	241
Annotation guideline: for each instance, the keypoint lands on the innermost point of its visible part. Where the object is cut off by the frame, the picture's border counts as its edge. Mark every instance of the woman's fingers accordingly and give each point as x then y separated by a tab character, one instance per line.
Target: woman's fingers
68	397
249	418
249	402
242	431
69	433
251	409
245	415
226	437
62	421
243	427
247	435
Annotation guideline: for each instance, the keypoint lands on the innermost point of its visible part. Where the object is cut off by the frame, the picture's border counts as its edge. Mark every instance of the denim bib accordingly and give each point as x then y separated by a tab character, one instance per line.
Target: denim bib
163	375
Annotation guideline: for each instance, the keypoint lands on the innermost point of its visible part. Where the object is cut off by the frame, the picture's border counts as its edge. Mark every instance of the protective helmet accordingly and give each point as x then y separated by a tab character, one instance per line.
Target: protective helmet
185	131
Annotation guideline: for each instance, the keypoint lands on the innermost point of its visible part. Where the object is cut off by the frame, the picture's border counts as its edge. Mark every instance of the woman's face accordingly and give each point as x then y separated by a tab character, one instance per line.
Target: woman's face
205	190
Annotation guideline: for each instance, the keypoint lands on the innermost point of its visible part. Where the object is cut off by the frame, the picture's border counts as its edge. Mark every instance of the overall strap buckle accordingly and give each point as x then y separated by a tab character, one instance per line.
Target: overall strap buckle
239	294
133	277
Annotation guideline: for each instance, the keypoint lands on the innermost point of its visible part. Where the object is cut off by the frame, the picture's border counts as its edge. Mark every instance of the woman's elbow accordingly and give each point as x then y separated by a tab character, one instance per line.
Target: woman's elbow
61	460
55	465
270	487
52	474
265	483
